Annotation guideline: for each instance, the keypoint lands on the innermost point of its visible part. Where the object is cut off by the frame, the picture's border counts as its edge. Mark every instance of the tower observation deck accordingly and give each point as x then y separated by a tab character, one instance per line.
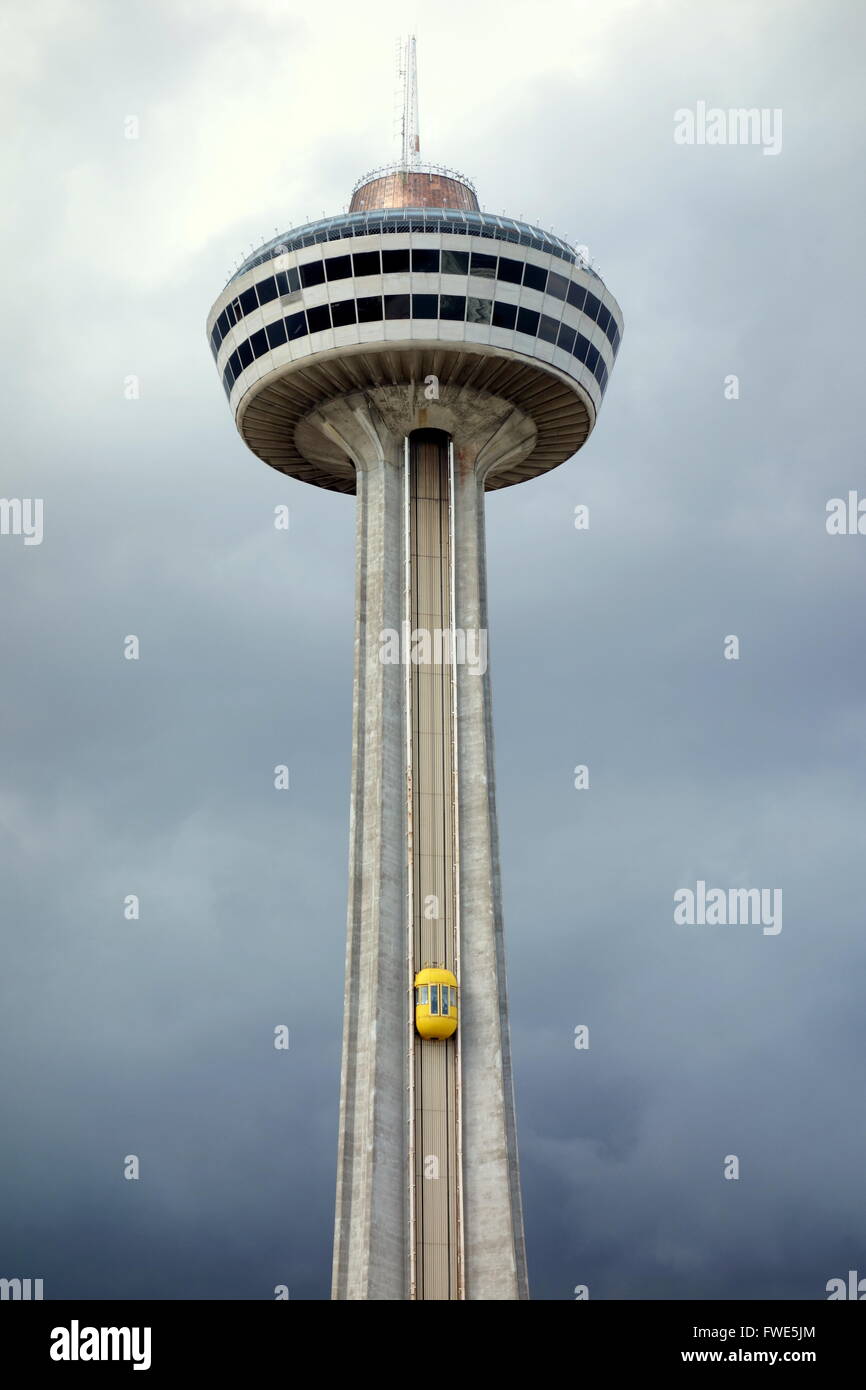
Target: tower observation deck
418	352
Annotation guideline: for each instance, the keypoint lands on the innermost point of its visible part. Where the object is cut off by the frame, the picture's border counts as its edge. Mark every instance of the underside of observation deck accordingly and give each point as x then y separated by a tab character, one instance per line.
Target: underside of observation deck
272	423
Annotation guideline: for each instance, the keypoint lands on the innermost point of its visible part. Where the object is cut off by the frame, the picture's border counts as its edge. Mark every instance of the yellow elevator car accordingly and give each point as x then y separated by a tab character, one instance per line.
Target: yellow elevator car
435	1003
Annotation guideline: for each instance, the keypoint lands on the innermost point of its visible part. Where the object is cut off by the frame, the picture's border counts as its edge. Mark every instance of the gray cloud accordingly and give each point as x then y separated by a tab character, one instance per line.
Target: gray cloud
707	518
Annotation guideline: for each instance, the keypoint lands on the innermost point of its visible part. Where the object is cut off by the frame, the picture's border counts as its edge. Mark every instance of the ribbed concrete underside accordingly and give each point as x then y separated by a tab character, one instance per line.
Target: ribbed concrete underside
271	412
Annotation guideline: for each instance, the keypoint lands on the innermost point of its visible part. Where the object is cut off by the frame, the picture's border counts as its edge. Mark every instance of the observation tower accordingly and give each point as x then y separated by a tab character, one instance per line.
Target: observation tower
418	352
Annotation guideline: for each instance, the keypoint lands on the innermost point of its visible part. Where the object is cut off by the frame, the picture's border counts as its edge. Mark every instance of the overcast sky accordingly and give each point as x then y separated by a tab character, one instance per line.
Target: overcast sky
707	519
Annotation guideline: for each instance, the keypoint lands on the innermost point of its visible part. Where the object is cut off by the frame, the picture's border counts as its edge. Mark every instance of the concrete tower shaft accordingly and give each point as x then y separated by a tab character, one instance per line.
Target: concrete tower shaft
428	1200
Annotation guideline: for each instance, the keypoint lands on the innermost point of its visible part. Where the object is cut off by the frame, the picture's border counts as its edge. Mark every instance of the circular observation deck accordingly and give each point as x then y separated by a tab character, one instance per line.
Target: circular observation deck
492	308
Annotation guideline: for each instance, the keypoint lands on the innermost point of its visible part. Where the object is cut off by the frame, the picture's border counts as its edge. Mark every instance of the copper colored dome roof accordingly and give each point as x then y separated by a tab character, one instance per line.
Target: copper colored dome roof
419	186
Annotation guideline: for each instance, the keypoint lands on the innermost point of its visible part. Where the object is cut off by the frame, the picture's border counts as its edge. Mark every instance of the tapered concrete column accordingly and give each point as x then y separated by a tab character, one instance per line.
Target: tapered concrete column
493	1214
370	1245
372	1238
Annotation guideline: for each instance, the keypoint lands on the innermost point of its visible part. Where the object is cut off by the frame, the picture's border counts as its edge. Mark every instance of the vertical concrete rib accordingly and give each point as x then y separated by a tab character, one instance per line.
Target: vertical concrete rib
370	1255
455	782
495	1248
411	1034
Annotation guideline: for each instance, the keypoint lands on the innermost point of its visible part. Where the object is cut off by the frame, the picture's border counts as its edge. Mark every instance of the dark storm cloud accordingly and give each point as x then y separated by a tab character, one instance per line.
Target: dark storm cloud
155	778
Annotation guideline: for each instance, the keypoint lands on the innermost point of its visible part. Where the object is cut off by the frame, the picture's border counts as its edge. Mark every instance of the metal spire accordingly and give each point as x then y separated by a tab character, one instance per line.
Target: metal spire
409	124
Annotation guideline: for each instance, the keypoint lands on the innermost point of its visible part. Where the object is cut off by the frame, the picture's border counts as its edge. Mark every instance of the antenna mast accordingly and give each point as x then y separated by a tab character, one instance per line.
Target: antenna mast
409	125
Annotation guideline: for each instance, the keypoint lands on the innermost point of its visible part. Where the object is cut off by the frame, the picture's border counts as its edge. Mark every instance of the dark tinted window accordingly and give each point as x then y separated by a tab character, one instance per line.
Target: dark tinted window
566	337
370	308
267	290
366	263
547	328
259	343
603	318
592	305
223	323
557	284
504	315
248	301
296	325
396	306
343	312
591	357
319	318
534	277
527	321
509	270
455	262
338	267
245	353
581	347
478	310
424	306
394	260
425	260
615	340
576	295
482	264
276	333
288	281
234	363
313	273
452	306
